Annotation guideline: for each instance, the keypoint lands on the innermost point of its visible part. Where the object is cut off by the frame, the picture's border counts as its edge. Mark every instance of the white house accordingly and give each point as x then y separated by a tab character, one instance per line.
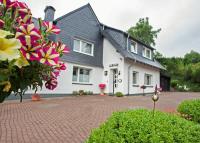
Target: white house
102	54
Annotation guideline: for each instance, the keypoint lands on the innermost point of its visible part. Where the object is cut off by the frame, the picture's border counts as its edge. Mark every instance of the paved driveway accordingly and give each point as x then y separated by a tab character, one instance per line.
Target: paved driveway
69	119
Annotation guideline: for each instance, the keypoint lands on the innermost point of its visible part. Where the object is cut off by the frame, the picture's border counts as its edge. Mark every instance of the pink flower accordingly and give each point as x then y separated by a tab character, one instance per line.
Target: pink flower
17	4
60	66
27	33
30	51
50	28
51	84
60	47
102	85
49	56
6	3
1	23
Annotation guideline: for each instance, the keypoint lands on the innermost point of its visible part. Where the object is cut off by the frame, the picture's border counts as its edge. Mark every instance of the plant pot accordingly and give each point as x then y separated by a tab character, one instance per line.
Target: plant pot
35	97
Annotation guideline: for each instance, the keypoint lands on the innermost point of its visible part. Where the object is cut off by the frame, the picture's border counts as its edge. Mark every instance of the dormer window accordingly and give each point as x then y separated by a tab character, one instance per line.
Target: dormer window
133	47
146	53
83	47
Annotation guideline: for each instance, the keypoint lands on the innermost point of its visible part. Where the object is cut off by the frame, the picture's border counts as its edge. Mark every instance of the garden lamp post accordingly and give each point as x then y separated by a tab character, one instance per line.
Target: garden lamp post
155	98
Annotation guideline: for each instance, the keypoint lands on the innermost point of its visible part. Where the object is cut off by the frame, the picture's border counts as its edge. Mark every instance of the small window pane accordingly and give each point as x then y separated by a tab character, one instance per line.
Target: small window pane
133	47
75	74
77	45
148	54
86	48
84	75
147	79
135	76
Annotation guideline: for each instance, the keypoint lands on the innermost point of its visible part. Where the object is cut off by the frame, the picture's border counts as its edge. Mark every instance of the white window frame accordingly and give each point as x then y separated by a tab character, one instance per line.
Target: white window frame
80	51
136	47
78	80
144	53
151	79
137	77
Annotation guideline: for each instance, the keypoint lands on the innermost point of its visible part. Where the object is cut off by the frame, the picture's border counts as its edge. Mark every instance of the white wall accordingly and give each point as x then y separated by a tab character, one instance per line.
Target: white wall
111	56
65	85
141	69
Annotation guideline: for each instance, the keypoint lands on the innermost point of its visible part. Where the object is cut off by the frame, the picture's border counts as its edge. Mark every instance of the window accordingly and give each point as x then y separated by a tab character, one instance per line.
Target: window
147	79
146	53
83	47
135	77
81	75
133	47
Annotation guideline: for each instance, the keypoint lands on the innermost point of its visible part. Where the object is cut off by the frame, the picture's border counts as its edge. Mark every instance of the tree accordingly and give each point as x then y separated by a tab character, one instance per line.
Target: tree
192	58
144	32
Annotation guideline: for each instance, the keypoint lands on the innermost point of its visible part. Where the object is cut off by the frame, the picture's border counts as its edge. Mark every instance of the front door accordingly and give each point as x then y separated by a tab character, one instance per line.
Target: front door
113	80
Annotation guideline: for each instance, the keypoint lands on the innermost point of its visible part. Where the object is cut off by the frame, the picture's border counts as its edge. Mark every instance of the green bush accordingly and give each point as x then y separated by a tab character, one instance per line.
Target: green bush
174	83
139	126
119	94
190	109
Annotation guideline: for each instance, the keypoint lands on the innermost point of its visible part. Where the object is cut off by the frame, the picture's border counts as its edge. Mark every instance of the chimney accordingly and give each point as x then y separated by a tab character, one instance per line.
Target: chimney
49	13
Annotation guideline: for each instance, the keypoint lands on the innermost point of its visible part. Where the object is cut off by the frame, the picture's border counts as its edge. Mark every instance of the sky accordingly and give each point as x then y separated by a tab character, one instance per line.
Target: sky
178	19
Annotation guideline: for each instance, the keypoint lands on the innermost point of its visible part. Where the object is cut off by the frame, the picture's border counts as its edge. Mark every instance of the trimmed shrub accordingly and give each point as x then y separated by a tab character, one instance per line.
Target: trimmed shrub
119	94
190	109
139	126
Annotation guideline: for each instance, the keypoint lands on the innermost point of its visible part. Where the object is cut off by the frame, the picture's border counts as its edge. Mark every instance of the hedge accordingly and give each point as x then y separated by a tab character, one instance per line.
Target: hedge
139	126
190	109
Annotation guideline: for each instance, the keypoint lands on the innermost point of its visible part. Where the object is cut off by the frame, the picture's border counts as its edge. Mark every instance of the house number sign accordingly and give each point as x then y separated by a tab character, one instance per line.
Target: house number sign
113	65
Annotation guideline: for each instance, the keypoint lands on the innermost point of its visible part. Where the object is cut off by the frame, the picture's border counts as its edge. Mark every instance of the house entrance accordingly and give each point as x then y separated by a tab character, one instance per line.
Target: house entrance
113	81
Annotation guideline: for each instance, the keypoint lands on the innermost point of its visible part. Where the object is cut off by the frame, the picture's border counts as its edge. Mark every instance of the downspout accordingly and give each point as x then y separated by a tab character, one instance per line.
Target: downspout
129	67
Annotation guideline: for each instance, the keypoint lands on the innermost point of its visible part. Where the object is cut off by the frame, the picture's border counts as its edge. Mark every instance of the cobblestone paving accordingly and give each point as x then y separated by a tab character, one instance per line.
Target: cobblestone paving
70	119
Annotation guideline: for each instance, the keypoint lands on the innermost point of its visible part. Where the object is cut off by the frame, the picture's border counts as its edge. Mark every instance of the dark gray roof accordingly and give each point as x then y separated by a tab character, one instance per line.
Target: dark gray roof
130	55
125	33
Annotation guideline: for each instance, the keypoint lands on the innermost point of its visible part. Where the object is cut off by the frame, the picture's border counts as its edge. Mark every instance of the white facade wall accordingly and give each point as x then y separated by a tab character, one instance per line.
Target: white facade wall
66	86
112	60
131	66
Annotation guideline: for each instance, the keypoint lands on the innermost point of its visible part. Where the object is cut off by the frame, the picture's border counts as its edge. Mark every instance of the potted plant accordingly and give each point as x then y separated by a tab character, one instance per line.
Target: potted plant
35	96
102	86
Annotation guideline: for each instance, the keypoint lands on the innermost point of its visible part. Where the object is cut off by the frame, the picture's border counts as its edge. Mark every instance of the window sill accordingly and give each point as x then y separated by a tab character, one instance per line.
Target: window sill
150	86
135	85
79	83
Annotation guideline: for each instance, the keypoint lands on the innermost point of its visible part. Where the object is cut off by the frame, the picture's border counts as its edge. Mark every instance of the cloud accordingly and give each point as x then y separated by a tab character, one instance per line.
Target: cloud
178	19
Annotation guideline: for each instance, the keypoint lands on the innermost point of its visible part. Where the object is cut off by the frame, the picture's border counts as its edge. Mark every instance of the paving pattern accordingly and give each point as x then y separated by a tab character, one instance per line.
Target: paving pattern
70	119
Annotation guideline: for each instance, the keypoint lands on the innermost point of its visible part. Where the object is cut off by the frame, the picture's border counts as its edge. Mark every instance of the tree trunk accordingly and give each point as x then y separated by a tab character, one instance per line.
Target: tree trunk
20	98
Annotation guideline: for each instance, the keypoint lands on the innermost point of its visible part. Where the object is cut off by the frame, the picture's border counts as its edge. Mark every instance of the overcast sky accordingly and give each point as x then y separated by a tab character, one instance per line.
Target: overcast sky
179	19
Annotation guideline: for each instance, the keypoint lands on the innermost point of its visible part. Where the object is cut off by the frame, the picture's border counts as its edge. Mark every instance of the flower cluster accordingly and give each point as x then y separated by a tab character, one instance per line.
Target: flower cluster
22	43
102	85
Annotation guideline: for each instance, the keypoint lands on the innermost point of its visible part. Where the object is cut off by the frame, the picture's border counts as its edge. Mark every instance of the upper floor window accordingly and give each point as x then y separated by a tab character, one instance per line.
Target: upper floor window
146	53
81	75
148	79
134	47
83	47
135	77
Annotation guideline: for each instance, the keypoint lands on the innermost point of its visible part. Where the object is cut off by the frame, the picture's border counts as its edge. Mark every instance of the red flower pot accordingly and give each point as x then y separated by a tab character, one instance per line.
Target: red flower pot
35	97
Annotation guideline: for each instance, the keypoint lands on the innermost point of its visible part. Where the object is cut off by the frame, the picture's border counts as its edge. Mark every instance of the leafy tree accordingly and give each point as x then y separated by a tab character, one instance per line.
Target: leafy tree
144	32
192	57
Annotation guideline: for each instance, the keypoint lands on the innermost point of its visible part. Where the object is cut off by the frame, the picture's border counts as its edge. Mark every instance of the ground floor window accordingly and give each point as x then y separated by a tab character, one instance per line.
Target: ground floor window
147	79
81	75
135	77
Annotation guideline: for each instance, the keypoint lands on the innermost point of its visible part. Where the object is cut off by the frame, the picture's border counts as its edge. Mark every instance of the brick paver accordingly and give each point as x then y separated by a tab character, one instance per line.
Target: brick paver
70	119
